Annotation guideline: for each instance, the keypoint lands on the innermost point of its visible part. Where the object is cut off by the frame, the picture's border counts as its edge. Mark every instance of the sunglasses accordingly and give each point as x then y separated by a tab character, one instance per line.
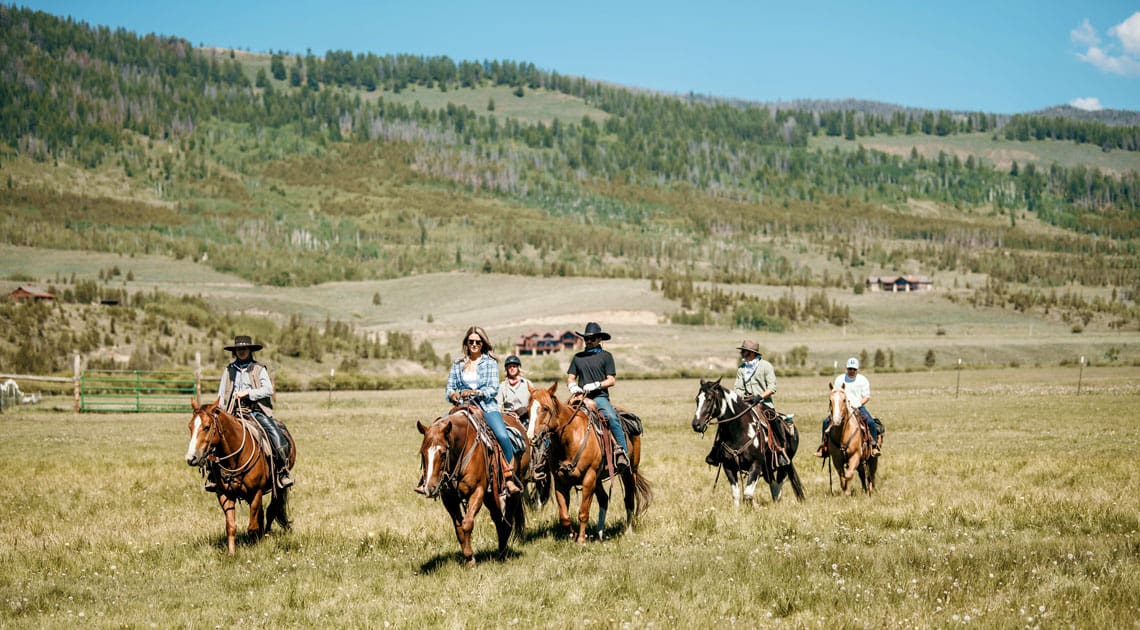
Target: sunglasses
474	342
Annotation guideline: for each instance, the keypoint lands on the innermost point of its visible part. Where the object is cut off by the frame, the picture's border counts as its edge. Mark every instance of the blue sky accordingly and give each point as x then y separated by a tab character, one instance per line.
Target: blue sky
1001	56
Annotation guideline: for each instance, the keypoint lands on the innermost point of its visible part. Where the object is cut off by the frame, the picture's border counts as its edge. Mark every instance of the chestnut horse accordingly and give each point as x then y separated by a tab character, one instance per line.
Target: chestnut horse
742	442
849	452
461	468
576	459
244	470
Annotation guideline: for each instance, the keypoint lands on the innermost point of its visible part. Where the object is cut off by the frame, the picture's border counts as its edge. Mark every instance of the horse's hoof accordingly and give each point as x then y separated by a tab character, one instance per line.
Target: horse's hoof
469	563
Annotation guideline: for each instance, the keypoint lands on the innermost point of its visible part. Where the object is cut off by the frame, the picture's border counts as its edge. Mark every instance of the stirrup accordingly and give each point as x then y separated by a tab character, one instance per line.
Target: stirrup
821	451
621	460
210	485
284	478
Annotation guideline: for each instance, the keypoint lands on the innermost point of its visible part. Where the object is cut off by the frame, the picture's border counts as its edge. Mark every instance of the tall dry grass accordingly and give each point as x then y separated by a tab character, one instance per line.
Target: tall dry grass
1012	505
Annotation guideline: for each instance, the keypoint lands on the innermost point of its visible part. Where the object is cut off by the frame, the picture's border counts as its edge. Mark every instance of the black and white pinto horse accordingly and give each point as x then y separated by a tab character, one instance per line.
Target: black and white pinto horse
742	446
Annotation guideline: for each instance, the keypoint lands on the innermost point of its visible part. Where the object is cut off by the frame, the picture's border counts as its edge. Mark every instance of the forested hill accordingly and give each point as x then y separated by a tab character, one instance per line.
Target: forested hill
234	158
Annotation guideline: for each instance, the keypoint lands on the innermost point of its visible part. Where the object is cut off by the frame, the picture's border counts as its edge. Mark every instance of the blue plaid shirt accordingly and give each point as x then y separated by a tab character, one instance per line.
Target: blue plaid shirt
488	370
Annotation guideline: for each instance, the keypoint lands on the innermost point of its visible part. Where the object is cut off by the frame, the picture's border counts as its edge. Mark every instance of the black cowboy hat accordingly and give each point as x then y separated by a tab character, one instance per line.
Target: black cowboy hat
243	341
594	330
512	360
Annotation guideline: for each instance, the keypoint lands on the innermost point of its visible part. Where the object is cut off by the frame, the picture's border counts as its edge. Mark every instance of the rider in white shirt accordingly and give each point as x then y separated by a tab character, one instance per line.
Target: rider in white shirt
858	390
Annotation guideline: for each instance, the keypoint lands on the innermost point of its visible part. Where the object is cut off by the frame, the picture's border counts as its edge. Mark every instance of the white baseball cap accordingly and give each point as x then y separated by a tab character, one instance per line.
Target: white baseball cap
852	363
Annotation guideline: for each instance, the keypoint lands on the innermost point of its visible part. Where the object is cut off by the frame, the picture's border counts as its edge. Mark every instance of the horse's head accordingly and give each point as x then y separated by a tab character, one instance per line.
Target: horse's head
435	454
544	410
711	401
205	433
836	405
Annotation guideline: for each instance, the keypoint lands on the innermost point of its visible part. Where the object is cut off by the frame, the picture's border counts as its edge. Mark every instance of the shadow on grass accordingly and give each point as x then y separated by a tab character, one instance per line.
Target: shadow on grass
487	555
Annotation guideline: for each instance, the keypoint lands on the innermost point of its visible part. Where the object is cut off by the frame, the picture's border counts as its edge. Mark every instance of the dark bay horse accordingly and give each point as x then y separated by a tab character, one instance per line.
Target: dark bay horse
742	442
244	469
576	458
461	468
848	450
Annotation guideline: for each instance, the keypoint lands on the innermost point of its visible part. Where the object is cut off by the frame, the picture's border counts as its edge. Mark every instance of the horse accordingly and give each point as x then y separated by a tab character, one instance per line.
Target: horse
576	457
742	438
849	452
244	468
460	467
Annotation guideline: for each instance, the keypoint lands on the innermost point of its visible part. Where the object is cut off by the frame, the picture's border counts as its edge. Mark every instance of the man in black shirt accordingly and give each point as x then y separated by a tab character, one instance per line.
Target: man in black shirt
592	373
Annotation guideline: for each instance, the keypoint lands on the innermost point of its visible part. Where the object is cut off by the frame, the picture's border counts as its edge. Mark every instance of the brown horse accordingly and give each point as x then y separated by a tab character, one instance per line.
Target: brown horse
576	457
461	467
849	452
244	469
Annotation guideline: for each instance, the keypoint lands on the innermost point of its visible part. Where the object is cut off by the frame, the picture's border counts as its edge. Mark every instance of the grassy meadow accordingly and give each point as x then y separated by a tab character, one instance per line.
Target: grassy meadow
1010	505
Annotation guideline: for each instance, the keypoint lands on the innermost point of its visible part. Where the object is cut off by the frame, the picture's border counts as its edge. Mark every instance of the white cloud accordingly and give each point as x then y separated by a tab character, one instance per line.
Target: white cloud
1128	32
1089	104
1085	34
1120	56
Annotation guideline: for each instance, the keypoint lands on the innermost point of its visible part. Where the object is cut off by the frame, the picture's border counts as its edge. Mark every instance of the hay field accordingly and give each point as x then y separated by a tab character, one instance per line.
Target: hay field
1012	505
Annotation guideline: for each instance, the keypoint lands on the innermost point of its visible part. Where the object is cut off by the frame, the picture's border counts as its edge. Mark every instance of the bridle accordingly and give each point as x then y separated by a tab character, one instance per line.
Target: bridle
228	474
449	477
708	418
560	430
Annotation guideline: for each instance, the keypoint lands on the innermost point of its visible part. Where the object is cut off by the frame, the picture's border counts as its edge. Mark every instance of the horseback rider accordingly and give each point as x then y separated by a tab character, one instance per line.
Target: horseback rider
474	377
755	384
514	391
245	384
858	391
592	374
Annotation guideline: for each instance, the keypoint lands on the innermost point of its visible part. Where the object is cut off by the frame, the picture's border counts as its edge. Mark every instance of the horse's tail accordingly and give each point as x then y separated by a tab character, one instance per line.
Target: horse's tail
279	509
643	493
516	514
797	487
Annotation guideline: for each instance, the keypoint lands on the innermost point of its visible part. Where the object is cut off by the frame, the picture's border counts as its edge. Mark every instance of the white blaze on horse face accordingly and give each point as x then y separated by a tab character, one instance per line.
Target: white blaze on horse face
533	419
191	449
700	406
430	468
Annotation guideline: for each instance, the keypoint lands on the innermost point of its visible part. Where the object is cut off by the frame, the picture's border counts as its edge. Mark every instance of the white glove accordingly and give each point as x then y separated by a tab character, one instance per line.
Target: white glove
592	387
575	389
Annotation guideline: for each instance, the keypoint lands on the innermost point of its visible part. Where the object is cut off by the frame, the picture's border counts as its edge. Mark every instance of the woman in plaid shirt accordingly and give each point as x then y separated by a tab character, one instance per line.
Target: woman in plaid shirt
474	377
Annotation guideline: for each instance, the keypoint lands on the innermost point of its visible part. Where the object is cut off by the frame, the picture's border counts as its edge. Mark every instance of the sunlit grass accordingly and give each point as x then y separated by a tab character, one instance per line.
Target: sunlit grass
1008	506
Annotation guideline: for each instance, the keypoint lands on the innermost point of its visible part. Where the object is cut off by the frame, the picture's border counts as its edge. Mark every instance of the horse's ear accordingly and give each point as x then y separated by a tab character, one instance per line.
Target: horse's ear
529	387
553	388
421	427
830	386
194	404
718	380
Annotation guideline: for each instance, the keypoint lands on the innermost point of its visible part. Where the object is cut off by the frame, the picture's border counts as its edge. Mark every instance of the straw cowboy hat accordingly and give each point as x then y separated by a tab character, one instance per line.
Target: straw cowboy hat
593	329
244	341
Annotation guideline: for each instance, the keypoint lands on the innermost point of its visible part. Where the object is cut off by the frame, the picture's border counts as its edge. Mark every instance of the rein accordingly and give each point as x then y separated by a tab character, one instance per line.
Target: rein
452	474
229	474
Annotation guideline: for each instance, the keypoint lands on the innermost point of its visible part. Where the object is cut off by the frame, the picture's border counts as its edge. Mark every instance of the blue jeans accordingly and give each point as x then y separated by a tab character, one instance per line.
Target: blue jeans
871	424
499	428
607	409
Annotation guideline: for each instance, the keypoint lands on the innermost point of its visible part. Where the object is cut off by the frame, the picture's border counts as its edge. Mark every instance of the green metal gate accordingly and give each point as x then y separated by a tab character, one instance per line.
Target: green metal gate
136	391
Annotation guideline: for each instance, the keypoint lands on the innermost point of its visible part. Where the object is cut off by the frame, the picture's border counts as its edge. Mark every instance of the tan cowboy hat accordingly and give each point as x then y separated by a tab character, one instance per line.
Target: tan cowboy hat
244	341
750	346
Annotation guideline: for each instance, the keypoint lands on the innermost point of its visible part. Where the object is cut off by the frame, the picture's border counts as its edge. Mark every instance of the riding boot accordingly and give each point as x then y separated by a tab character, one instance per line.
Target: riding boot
284	476
509	482
211	484
822	450
621	460
538	460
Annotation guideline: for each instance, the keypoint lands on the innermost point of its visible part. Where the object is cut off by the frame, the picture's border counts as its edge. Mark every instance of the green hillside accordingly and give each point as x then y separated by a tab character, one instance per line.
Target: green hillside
288	172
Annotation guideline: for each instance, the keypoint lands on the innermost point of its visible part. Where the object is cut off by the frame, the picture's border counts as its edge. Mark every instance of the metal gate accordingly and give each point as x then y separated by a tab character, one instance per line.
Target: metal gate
136	391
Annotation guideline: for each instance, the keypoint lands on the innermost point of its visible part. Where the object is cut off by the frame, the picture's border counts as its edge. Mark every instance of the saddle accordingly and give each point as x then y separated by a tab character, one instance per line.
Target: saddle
496	463
776	427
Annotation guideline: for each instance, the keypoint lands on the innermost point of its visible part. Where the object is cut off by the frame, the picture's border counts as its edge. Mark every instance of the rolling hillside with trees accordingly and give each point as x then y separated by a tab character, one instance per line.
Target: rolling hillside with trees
294	169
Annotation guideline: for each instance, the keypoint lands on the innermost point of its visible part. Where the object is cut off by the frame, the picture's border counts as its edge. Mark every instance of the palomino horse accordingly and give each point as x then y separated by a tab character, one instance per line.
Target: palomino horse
849	453
742	442
576	458
244	470
461	466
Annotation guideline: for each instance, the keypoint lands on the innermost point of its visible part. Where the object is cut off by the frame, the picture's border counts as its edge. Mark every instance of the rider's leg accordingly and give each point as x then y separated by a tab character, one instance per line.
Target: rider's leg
822	450
621	457
280	447
873	427
499	428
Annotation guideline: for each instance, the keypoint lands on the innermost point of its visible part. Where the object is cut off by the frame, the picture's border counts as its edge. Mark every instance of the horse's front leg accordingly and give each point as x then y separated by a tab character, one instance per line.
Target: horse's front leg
733	485
849	474
753	478
562	494
474	502
229	506
589	484
603	505
256	515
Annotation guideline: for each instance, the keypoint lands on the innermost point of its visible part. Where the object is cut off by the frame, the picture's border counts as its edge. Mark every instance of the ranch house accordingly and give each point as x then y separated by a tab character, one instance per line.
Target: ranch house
899	284
547	342
30	294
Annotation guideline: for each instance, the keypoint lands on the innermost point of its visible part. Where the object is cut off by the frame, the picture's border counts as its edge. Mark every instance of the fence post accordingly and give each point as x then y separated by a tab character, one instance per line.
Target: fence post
958	382
197	376
1080	376
76	382
331	372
